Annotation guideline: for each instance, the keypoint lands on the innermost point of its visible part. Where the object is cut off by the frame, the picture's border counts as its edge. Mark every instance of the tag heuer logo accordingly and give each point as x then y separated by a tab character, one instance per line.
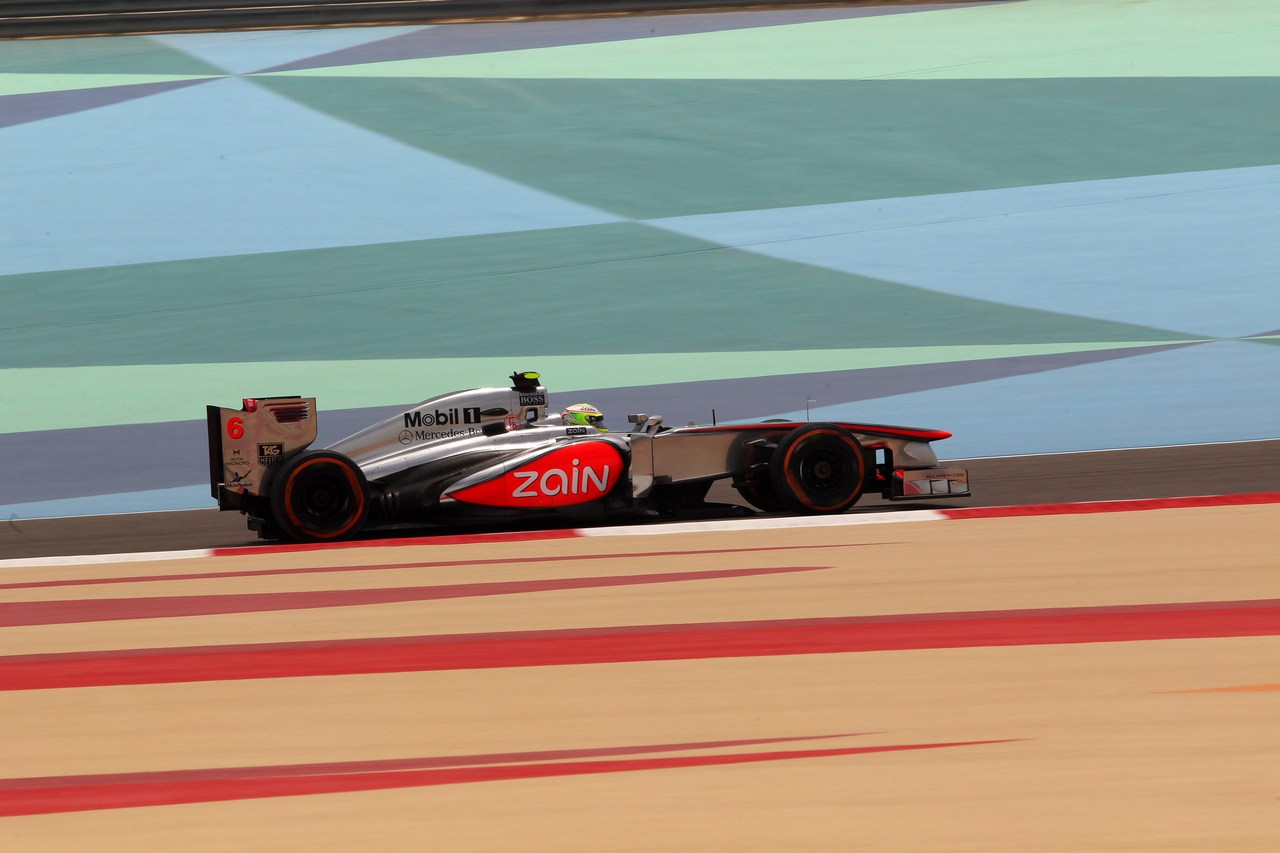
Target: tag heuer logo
269	454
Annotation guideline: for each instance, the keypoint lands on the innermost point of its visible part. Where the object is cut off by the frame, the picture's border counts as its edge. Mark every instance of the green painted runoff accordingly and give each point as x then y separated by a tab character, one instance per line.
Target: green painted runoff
656	148
617	288
1033	39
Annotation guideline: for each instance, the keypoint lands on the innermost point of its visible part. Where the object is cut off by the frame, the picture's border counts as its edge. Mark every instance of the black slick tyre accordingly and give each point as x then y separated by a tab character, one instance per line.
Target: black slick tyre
818	468
319	496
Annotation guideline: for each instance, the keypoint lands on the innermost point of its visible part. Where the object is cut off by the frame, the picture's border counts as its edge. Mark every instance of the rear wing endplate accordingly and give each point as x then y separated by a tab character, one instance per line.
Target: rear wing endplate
246	443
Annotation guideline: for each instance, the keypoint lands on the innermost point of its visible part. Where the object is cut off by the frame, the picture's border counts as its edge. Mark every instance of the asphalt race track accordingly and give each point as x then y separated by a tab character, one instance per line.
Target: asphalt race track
1221	469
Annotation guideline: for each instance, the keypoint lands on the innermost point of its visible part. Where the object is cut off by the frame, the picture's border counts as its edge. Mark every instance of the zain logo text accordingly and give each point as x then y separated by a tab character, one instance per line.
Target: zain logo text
557	481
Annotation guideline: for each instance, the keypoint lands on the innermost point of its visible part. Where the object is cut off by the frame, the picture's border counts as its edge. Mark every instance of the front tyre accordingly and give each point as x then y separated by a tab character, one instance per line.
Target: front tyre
319	496
818	468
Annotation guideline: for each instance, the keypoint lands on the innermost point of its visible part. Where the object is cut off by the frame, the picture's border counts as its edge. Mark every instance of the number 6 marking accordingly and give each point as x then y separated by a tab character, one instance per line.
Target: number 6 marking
235	428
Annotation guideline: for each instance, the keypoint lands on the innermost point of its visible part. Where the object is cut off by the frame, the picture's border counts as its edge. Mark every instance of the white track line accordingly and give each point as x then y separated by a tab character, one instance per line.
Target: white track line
765	523
96	559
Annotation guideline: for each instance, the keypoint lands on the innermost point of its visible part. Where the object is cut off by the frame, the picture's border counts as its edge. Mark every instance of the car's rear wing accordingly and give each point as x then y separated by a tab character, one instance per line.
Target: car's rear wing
246	443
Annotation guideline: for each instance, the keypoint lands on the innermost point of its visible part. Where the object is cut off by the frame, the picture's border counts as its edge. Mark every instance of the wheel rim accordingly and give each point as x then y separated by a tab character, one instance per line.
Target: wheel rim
823	471
323	499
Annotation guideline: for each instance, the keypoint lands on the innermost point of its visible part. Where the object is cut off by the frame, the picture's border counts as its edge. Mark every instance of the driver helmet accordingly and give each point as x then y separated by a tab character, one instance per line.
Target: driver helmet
583	414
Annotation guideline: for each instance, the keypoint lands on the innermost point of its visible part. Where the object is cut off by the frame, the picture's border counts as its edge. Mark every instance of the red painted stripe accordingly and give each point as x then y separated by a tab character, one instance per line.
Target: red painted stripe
460	539
58	612
96	797
1112	506
644	643
919	433
1239	688
432	564
385	765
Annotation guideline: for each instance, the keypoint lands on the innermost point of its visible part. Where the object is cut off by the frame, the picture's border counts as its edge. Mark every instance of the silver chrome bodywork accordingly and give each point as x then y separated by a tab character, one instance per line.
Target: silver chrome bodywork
690	454
420	434
418	462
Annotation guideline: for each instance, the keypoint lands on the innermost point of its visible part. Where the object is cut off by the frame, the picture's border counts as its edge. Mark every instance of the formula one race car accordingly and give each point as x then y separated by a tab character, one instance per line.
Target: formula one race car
493	453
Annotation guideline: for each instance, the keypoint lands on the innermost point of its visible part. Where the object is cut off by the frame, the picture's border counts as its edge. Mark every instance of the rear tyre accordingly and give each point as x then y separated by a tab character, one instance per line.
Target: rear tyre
319	496
818	468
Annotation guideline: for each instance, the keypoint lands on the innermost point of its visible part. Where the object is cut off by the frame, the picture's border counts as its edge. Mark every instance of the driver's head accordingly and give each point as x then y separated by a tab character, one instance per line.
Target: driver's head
583	414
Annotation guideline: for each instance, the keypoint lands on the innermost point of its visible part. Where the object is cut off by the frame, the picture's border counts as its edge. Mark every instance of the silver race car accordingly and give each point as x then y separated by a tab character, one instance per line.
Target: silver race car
493	453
